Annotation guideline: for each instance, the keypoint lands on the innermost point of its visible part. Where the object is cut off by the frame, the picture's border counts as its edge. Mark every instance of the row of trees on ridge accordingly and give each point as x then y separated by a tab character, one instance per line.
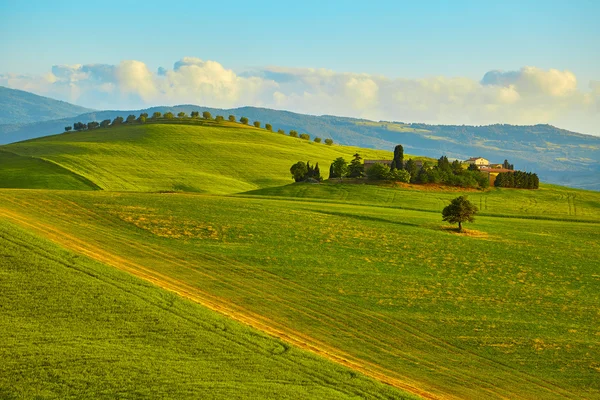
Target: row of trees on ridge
206	115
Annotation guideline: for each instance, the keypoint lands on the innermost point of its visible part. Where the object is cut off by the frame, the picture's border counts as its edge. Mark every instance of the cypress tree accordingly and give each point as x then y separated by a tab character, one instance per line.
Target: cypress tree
317	172
398	161
331	173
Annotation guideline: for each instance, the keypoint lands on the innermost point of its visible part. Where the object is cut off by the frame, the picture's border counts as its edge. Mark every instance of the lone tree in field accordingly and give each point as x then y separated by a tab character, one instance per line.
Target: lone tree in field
458	211
257	124
269	127
317	140
329	142
181	115
195	114
206	115
219	118
244	120
67	128
231	118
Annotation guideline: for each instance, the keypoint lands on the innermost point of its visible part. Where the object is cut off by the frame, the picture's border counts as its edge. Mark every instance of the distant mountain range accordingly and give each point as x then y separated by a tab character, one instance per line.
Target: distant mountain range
19	107
557	155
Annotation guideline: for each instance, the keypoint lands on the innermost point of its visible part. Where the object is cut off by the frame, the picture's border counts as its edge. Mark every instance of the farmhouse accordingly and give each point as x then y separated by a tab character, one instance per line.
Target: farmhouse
370	163
477	161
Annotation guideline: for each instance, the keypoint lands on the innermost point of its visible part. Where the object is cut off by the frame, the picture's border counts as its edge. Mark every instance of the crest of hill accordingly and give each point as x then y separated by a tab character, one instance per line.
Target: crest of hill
220	158
556	155
19	107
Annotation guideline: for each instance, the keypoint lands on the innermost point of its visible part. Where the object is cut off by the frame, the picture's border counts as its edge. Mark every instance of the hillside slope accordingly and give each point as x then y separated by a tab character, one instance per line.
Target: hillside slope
557	155
19	107
18	172
210	158
73	328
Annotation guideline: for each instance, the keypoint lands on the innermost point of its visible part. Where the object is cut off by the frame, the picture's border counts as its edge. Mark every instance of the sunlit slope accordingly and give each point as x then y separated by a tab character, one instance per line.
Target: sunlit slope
34	173
73	328
550	201
225	158
509	310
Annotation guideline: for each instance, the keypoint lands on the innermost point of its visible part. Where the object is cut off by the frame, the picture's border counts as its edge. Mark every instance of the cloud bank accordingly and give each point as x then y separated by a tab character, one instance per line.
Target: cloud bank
528	96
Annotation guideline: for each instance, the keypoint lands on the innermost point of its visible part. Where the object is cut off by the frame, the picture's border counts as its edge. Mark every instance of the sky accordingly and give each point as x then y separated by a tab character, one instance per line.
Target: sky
452	62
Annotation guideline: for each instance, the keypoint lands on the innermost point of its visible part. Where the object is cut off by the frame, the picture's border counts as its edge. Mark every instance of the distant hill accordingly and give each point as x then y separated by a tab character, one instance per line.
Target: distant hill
208	158
557	155
19	107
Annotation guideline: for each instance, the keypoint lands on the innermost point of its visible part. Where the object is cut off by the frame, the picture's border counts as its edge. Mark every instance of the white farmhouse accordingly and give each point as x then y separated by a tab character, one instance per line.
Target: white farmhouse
477	161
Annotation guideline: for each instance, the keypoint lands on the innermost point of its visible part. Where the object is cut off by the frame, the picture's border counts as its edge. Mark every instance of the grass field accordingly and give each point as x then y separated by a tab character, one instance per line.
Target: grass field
550	201
33	173
485	314
365	276
72	328
217	158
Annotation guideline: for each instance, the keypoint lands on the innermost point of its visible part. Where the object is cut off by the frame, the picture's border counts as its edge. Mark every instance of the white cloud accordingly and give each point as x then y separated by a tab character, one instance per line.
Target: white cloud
527	96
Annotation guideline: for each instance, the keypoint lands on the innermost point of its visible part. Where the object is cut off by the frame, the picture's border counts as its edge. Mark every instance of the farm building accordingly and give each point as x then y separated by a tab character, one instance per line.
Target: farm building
370	163
492	173
477	161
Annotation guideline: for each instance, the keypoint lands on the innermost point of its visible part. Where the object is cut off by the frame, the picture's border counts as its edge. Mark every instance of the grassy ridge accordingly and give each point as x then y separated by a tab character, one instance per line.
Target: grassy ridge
33	173
481	315
72	328
211	158
549	201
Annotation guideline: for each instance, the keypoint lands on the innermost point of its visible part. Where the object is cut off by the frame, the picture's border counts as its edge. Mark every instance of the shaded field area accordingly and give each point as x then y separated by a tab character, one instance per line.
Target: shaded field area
385	289
73	328
33	173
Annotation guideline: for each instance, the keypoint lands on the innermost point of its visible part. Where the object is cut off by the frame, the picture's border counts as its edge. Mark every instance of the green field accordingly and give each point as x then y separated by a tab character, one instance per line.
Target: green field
72	328
34	173
366	276
216	158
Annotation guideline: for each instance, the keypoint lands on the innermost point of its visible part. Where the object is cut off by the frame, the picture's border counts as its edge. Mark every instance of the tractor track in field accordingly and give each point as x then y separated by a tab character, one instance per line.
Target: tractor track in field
268	326
214	303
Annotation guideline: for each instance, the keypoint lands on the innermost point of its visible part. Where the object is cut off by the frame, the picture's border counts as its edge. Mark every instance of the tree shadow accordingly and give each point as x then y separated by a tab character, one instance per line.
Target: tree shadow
365	218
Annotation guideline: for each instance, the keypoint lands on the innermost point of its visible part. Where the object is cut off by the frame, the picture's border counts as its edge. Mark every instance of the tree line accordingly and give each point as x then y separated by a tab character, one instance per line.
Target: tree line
442	172
517	179
143	118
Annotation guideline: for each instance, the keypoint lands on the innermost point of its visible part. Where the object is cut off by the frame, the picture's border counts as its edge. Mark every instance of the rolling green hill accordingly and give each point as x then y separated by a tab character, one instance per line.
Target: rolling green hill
507	310
73	328
19	107
208	158
558	156
364	275
33	173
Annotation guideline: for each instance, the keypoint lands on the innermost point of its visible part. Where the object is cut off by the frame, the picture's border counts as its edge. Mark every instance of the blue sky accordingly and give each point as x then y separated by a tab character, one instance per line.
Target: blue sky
395	39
